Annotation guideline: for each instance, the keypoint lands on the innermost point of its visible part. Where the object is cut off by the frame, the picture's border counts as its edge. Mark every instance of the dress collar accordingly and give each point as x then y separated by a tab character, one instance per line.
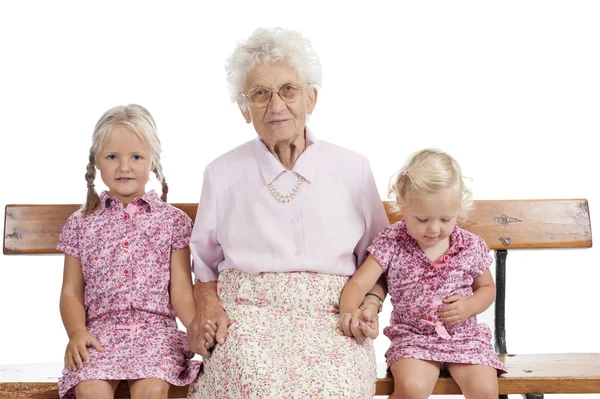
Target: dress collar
149	200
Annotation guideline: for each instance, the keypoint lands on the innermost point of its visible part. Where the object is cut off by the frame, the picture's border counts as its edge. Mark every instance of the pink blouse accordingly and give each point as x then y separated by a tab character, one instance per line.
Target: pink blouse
326	228
125	253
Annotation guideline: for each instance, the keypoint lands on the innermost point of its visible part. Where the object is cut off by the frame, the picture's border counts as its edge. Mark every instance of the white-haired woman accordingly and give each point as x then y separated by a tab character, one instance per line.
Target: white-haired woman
282	223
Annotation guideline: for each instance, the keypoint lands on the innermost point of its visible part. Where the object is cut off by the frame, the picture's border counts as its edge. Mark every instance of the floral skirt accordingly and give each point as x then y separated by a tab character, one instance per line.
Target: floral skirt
284	341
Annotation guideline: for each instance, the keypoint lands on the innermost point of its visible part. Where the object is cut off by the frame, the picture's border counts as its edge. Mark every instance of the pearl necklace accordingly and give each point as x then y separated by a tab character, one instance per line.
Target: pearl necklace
286	197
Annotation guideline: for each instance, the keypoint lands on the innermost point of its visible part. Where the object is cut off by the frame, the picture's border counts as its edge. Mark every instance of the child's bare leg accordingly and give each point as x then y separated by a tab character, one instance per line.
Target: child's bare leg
475	381
96	389
414	379
152	388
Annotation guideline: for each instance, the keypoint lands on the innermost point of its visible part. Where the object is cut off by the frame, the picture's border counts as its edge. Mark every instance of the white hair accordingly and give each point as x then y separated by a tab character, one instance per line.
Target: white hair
266	46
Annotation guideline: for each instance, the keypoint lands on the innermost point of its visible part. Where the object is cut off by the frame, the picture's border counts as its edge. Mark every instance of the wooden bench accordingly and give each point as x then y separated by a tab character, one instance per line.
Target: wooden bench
505	225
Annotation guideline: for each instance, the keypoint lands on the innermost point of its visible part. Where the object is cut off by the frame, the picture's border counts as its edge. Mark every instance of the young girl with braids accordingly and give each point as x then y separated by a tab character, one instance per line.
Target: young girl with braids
439	280
127	271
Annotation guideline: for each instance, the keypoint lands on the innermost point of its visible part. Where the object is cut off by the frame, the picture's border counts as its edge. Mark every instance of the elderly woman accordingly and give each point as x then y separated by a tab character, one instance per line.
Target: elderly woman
282	223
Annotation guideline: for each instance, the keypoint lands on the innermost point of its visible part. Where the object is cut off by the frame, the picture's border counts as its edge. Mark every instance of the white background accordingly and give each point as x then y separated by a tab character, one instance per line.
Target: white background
511	89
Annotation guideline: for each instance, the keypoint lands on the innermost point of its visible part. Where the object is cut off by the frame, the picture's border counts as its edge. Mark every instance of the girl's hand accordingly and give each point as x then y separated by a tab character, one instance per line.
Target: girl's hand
76	354
353	324
457	311
210	332
369	328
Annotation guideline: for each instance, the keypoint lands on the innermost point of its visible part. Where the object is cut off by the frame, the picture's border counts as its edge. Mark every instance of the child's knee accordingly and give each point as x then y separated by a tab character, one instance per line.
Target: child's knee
94	389
482	392
410	388
152	389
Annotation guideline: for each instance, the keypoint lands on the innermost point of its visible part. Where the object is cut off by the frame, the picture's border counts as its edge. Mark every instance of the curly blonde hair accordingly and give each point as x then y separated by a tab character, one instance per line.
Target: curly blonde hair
427	172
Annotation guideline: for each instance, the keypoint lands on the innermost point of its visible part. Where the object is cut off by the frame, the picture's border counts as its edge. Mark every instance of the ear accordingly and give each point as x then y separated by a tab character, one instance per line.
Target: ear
312	100
244	109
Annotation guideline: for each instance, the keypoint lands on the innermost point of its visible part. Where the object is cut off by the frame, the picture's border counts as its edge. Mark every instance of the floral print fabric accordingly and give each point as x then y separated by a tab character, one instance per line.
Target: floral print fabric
417	287
284	341
125	257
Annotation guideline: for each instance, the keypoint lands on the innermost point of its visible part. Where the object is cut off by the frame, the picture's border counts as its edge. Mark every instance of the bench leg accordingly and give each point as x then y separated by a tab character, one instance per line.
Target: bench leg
499	305
533	396
502	396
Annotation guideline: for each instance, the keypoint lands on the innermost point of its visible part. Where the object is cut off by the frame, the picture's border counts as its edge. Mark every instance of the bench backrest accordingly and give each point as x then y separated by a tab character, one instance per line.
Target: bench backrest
503	224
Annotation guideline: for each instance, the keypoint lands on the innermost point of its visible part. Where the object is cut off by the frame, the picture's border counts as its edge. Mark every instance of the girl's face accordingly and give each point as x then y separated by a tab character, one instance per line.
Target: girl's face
124	164
431	220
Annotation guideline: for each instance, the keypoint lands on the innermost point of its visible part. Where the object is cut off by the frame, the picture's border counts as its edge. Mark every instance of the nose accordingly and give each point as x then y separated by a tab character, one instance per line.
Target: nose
124	165
433	227
276	105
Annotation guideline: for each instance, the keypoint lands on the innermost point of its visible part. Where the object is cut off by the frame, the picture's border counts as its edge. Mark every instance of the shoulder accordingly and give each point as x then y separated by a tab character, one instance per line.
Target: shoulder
396	232
239	155
77	220
340	154
73	221
344	165
172	212
471	241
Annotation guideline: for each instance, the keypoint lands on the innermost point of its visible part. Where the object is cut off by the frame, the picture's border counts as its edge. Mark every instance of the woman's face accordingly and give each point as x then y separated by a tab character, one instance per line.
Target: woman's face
278	121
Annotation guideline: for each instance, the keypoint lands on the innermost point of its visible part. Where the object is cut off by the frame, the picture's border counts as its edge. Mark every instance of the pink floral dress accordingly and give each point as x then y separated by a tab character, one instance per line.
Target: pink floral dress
125	259
417	288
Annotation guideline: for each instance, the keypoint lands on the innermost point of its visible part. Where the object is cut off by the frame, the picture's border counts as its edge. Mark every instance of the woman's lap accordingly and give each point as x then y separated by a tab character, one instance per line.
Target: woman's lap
288	351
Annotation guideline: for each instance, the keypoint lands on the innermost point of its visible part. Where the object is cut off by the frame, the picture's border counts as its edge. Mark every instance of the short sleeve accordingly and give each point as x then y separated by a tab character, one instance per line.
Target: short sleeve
482	258
182	230
385	246
71	234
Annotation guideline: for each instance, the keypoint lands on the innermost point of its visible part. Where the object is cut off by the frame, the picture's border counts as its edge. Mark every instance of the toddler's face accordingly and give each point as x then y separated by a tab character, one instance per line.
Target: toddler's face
431	220
124	164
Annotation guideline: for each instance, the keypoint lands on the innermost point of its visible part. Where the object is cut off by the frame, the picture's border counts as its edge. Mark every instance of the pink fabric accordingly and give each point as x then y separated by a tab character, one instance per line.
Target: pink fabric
417	288
125	258
125	254
326	228
132	328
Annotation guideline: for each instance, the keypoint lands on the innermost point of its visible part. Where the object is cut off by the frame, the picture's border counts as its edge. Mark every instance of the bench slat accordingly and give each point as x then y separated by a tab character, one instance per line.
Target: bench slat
503	224
546	373
559	223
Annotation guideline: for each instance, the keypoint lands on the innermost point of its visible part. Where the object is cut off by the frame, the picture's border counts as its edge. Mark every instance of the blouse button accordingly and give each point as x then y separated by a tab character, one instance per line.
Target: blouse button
431	268
126	244
126	216
446	258
126	271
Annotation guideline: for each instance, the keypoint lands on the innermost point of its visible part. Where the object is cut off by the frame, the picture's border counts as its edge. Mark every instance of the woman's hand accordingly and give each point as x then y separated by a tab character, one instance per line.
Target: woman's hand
76	354
210	318
457	311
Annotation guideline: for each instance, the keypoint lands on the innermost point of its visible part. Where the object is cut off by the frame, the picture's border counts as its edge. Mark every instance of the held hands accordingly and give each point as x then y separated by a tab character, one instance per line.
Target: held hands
457	311
76	354
208	328
360	323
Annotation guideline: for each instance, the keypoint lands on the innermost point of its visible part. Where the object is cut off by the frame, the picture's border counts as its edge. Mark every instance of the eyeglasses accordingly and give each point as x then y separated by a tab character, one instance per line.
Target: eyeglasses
260	97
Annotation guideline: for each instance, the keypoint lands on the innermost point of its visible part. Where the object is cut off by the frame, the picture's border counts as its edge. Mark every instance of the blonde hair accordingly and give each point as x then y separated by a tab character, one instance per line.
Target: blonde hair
267	46
137	120
427	172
